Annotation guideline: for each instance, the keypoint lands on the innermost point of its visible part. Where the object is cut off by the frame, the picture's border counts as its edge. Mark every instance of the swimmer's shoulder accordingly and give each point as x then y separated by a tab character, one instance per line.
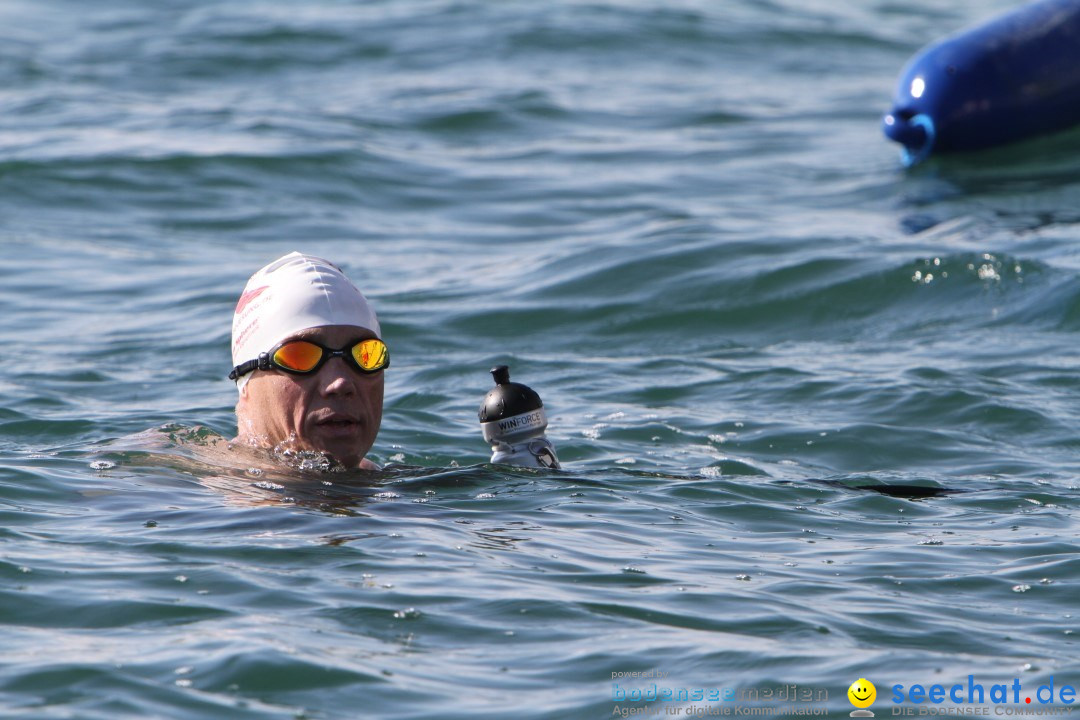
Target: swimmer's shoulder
169	435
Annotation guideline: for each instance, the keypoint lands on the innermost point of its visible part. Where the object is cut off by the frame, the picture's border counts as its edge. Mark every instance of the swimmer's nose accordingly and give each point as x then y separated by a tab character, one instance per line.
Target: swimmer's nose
337	378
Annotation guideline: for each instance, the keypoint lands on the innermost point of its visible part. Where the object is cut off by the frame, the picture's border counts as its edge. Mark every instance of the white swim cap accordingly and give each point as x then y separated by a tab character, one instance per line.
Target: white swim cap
291	294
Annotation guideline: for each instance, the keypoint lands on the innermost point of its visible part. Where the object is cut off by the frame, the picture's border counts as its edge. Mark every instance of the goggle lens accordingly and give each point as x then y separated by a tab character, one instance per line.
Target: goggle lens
300	356
370	354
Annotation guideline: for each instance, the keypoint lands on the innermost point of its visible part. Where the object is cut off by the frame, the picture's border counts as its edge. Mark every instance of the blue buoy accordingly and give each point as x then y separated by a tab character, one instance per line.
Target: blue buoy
1014	77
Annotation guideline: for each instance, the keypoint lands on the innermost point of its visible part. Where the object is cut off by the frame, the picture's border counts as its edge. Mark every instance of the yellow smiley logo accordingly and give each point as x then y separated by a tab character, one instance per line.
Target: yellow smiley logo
862	693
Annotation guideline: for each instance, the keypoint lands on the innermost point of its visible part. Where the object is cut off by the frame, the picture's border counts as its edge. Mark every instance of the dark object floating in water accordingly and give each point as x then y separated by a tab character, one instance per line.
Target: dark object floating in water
907	492
513	421
1014	77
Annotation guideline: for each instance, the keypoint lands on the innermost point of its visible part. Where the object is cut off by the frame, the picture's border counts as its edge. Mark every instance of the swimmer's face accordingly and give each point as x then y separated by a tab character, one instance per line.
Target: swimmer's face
335	410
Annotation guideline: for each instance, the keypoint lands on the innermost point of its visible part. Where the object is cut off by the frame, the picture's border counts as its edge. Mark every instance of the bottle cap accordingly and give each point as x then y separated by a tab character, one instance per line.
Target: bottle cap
507	399
510	410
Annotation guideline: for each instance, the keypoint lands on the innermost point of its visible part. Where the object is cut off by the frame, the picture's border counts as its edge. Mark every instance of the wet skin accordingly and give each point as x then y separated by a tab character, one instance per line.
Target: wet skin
336	410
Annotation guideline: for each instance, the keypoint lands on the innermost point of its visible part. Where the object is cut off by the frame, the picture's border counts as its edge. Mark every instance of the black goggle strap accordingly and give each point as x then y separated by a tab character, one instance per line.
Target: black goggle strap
262	363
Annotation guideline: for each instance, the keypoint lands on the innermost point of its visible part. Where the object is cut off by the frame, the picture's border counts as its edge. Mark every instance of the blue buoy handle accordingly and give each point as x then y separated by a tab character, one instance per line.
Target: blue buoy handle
916	153
915	133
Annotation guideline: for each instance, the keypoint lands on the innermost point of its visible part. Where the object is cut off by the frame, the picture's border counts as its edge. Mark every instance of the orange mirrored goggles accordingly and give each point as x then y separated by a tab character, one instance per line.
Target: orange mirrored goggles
302	357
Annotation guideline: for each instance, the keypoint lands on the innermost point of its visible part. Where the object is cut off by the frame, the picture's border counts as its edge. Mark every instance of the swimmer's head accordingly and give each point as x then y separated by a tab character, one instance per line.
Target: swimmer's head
291	294
335	407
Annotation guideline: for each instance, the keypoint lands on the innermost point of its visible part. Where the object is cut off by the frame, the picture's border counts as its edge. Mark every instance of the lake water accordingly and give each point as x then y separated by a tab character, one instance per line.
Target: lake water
817	413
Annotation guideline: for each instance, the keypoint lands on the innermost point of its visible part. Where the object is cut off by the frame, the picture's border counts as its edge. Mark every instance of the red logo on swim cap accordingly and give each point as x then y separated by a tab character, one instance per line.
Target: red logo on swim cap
248	297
